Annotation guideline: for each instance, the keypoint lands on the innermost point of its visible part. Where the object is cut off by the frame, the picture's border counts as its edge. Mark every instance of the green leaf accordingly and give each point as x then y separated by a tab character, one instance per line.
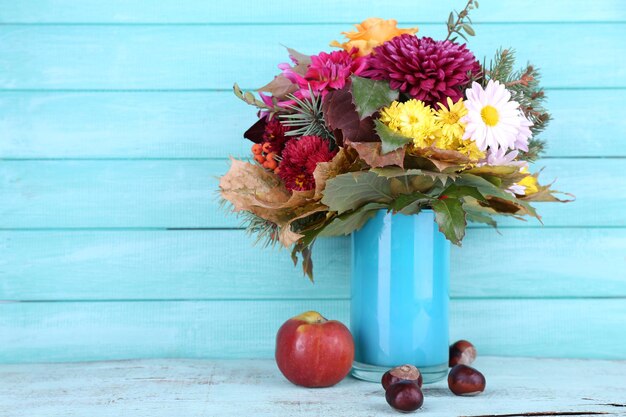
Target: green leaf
370	95
468	29
487	189
394	172
484	186
404	200
450	217
478	216
352	190
460	191
390	139
451	20
351	221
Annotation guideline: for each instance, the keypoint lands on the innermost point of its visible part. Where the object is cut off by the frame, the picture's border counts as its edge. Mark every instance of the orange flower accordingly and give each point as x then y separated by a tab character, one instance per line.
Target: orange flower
371	33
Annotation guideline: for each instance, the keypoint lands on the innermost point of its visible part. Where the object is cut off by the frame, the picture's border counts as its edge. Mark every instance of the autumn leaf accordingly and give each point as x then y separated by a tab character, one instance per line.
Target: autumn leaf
390	140
351	221
279	87
248	187
343	120
352	190
370	152
370	95
450	217
443	159
324	171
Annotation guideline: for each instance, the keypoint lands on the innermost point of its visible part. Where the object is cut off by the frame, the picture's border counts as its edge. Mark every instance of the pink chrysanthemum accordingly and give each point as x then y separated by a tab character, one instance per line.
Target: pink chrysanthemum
327	71
300	157
426	69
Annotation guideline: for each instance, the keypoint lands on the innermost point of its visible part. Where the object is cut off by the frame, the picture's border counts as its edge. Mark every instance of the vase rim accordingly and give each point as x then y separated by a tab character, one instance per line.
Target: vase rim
427	210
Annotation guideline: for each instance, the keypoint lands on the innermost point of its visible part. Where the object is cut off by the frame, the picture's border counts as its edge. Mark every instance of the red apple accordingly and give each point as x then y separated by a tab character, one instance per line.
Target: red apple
314	352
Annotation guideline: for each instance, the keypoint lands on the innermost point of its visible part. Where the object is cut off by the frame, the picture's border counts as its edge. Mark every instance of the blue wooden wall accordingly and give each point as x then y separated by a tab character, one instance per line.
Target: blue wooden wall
116	117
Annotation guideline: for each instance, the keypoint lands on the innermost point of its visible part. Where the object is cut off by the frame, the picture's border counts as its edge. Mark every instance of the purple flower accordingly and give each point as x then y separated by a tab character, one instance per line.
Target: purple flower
426	69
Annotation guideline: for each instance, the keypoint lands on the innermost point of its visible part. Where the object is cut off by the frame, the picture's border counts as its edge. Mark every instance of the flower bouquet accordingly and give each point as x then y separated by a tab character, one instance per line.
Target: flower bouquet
389	121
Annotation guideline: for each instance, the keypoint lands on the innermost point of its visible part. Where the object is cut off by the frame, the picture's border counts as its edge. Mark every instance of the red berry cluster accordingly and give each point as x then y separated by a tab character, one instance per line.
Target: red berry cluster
264	156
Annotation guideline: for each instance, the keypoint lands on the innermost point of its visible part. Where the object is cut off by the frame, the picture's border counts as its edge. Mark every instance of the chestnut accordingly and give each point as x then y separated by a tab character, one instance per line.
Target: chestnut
402	373
404	396
465	380
462	352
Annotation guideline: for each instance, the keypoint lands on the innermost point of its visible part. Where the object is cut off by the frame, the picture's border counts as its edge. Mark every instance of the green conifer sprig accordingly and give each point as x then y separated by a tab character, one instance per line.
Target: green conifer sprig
265	232
306	117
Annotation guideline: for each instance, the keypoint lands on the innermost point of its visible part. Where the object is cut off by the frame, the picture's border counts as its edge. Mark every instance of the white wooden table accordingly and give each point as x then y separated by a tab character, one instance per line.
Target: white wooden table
255	388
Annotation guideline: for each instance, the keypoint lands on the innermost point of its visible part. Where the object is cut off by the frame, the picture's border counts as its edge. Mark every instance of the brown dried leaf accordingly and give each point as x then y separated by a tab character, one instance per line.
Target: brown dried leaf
247	185
251	188
340	164
443	159
299	57
279	87
370	152
545	194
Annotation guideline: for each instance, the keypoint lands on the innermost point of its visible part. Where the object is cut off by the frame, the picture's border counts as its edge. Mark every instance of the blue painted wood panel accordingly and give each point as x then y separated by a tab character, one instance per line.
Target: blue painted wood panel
284	11
177	124
105	57
181	193
116	117
176	265
67	331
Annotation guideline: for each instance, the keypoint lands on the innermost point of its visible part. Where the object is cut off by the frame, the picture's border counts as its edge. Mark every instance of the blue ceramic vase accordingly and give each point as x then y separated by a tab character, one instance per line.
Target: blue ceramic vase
399	309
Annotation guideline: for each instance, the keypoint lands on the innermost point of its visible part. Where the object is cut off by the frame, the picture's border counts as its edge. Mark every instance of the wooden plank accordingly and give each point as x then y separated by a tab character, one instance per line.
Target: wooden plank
168	387
176	265
123	125
281	11
182	194
211	124
80	331
216	264
213	57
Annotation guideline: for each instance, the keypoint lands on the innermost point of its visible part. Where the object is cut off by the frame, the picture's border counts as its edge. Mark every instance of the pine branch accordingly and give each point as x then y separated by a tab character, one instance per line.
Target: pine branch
266	232
307	117
501	67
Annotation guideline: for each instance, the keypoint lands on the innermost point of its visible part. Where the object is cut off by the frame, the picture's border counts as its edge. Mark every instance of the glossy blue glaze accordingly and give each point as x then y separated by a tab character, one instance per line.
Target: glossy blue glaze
400	275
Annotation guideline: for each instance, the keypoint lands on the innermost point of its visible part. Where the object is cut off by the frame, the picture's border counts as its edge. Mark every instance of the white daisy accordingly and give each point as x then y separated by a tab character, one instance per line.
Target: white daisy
524	134
493	119
500	156
516	189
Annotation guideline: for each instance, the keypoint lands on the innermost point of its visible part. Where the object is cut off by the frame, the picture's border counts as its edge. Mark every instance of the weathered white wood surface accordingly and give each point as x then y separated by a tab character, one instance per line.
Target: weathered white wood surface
244	388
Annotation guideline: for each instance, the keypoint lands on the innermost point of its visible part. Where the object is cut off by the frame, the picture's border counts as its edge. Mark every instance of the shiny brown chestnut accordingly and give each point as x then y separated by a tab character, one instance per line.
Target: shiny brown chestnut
465	380
401	373
462	352
404	396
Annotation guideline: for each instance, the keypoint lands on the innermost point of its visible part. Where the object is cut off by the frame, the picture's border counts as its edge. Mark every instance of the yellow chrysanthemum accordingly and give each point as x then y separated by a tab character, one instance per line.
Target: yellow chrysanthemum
450	118
470	149
529	182
412	119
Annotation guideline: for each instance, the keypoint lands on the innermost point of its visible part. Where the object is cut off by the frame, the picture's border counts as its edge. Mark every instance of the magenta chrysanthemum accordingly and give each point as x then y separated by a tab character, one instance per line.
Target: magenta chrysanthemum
275	135
327	71
426	69
300	157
